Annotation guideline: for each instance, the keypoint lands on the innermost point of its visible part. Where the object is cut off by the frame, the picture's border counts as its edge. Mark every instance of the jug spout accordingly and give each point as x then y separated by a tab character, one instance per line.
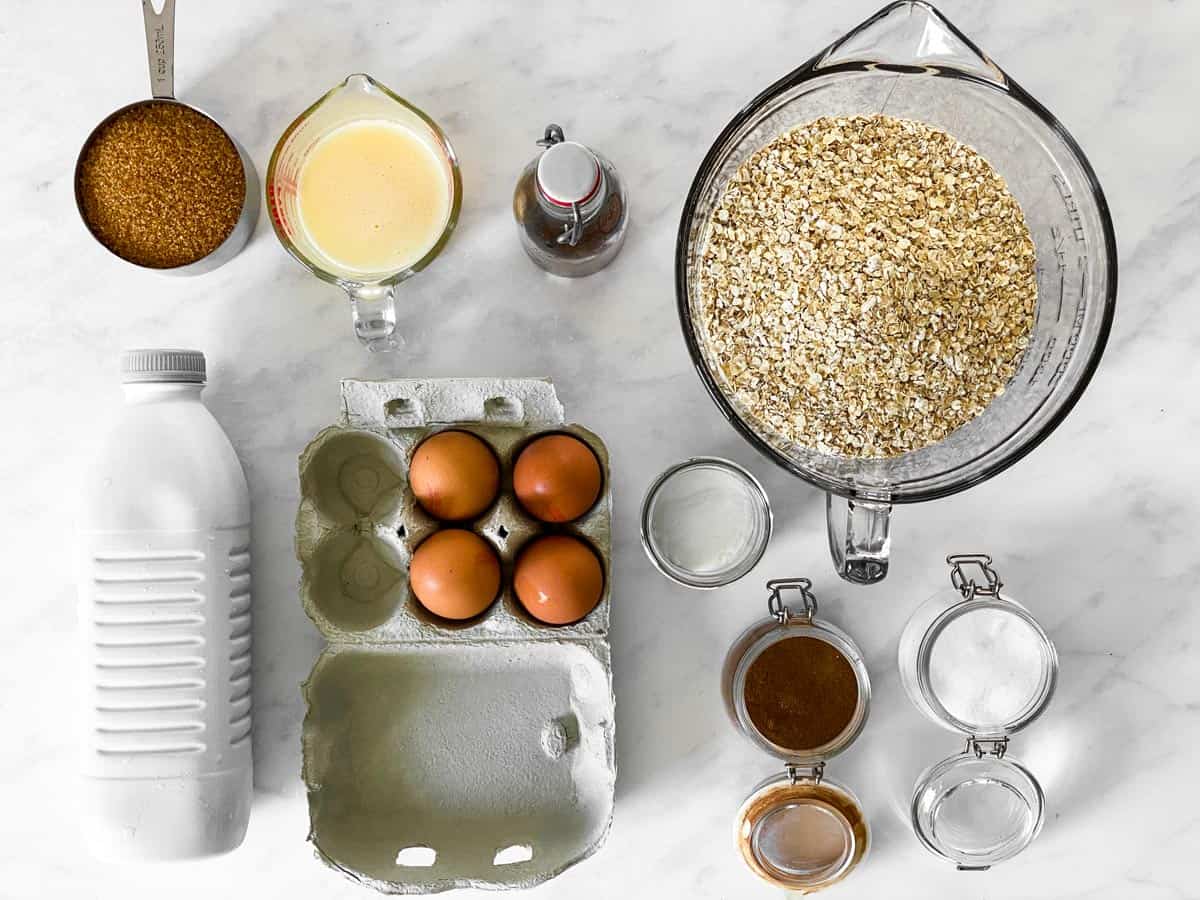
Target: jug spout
357	94
911	34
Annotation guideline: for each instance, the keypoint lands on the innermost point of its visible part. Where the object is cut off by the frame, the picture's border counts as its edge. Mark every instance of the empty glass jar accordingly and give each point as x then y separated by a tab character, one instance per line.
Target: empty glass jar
706	522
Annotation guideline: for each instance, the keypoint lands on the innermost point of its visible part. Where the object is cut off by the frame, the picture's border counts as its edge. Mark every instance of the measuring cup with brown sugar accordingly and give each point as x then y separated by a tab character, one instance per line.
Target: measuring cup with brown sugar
796	686
158	182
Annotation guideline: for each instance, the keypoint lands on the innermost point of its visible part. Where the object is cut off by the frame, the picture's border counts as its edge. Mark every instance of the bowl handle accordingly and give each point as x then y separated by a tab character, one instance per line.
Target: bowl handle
859	538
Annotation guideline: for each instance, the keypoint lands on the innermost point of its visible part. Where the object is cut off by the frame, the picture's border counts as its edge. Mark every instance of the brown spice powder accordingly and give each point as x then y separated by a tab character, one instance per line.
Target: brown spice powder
801	693
161	185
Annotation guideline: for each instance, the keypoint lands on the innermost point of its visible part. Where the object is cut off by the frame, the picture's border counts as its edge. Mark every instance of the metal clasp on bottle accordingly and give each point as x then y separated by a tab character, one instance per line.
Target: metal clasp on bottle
965	583
573	232
781	610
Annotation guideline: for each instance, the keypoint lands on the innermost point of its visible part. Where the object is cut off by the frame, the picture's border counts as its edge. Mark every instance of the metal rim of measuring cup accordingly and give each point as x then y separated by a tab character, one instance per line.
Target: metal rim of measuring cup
234	241
733	573
160	53
683	257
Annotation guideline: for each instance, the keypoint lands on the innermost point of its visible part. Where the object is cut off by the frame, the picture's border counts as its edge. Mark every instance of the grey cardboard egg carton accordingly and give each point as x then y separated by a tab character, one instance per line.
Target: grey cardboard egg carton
486	745
359	524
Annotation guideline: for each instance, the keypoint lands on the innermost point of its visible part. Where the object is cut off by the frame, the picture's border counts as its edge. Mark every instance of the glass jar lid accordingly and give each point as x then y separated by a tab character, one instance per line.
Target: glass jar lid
706	522
979	807
796	685
801	832
984	666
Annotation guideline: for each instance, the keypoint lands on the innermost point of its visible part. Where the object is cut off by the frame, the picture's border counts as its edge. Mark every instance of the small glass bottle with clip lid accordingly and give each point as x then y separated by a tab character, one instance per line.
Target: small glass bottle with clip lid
570	207
976	662
796	686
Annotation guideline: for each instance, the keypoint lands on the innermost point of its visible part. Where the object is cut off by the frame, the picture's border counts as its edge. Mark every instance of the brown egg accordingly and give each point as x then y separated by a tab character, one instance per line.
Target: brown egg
454	475
557	478
455	574
558	579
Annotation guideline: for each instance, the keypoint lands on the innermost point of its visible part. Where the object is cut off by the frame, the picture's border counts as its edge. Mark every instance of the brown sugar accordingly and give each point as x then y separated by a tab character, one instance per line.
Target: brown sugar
801	693
161	185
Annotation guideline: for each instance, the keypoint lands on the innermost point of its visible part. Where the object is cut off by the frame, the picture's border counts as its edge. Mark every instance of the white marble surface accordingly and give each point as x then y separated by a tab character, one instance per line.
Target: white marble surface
1092	530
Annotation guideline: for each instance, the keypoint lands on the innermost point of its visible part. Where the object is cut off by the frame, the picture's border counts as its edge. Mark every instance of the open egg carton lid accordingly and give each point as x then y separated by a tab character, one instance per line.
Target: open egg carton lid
442	765
358	523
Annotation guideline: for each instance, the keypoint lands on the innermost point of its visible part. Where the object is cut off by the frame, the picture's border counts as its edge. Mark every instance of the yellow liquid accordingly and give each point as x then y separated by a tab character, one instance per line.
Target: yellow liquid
373	197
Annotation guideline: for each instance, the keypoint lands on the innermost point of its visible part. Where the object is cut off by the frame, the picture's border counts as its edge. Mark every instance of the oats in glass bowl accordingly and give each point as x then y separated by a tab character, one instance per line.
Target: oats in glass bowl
867	285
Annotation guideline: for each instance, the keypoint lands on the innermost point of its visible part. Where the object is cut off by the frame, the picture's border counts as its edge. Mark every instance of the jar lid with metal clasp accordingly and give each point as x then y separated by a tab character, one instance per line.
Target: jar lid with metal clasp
975	661
796	686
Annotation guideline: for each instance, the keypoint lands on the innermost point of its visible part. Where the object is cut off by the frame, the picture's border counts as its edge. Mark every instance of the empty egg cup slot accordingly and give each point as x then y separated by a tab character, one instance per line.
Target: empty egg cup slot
356	581
354	475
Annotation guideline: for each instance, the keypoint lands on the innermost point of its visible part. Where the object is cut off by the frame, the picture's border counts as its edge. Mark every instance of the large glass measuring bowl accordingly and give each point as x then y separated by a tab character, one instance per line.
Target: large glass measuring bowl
908	61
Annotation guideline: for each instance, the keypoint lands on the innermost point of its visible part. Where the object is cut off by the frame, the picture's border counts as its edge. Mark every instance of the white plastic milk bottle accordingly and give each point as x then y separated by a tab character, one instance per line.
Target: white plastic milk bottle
164	606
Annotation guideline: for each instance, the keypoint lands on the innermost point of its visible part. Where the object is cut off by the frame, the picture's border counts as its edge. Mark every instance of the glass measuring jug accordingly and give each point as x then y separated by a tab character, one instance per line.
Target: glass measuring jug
908	61
362	102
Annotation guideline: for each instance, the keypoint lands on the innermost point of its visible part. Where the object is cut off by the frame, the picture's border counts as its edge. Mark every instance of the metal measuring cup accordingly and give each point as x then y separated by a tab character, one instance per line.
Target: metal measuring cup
160	52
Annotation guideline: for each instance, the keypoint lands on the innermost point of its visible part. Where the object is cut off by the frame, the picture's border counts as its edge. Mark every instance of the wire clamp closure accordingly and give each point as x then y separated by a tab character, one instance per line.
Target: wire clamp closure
572	231
982	747
781	610
796	773
965	583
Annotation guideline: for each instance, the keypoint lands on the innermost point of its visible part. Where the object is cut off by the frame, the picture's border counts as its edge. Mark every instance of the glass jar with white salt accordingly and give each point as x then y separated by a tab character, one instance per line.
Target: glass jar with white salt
976	662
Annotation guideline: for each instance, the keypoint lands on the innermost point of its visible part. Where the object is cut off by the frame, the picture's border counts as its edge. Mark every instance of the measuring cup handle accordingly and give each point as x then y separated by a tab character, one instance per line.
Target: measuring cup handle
160	47
373	307
859	538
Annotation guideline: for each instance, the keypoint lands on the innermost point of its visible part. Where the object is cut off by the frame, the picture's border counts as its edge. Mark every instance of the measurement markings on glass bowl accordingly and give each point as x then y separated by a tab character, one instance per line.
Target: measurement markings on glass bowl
1060	239
1076	328
1060	263
1064	191
1045	359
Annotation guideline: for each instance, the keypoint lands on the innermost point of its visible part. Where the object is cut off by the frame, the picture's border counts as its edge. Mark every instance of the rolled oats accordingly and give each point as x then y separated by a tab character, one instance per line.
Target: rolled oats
867	285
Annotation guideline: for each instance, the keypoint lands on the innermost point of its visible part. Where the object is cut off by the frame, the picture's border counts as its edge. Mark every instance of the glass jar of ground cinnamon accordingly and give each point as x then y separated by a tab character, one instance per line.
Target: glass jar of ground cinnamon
797	686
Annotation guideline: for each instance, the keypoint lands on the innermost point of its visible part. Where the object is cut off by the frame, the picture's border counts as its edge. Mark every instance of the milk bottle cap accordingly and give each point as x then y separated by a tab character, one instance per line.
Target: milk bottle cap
162	365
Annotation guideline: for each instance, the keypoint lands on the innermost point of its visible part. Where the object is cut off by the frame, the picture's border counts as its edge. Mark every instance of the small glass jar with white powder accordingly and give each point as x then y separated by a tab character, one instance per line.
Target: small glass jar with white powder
976	662
705	522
